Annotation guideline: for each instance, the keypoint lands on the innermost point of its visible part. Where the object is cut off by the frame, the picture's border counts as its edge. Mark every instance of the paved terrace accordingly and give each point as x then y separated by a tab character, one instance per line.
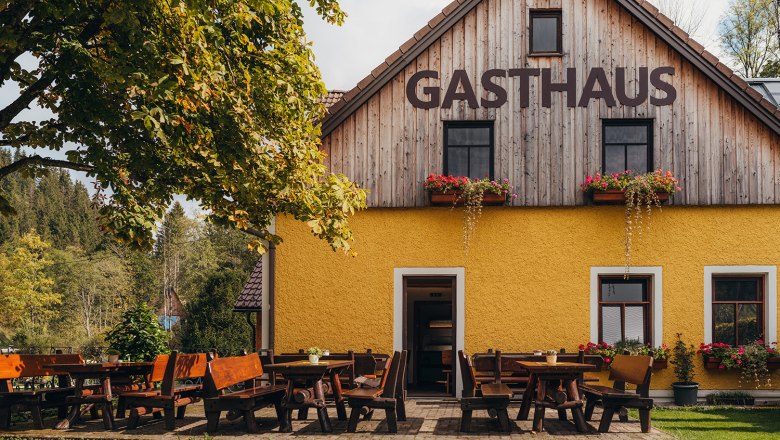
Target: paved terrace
425	419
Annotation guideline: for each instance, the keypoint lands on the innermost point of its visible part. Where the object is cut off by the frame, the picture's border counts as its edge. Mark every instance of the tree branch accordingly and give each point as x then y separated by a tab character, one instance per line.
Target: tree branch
43	162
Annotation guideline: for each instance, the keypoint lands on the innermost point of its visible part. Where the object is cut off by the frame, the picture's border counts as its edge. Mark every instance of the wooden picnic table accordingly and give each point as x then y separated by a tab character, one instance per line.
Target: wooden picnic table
303	373
121	373
555	387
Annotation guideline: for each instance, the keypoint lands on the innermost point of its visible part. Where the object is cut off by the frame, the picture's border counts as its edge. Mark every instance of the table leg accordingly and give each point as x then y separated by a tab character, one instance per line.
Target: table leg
338	397
107	407
322	410
285	424
525	407
541	392
576	412
76	409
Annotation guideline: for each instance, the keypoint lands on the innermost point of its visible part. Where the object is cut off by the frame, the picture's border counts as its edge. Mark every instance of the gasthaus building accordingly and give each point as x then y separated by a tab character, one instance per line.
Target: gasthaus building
542	93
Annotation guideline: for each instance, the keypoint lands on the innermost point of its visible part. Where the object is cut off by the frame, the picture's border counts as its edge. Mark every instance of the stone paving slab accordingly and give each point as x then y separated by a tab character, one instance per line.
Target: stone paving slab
425	419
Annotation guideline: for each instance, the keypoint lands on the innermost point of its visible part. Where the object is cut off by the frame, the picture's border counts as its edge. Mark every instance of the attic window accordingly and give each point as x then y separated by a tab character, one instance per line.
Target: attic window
546	32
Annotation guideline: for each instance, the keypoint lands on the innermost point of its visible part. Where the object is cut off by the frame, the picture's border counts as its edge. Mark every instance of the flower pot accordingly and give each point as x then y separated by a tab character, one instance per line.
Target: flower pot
618	197
552	358
113	358
773	363
685	393
453	198
711	363
314	359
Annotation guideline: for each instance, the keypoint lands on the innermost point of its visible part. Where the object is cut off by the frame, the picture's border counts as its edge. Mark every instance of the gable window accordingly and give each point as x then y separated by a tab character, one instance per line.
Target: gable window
737	309
627	145
546	32
624	309
468	149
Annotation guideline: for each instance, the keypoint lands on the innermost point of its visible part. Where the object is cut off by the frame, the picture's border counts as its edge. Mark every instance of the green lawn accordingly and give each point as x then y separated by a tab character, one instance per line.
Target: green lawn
726	423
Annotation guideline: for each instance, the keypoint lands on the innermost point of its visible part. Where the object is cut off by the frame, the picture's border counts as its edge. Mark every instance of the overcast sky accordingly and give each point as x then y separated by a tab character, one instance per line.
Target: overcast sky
373	31
376	28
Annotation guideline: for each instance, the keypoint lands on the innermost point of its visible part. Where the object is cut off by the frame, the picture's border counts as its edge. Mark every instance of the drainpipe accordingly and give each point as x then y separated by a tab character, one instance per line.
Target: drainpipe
271	293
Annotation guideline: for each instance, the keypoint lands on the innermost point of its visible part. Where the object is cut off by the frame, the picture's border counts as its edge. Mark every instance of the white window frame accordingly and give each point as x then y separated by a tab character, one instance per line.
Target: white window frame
770	296
655	272
460	309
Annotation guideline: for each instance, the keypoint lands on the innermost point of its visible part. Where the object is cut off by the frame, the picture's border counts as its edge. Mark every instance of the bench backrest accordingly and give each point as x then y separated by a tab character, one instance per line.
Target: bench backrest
228	371
467	374
181	367
636	370
400	386
160	363
14	366
390	379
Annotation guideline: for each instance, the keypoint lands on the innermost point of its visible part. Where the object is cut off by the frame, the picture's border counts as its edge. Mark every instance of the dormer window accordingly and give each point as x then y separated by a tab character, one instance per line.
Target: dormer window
546	32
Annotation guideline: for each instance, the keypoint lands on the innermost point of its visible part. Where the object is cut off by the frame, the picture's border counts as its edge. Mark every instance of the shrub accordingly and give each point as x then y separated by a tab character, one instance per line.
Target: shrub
682	359
210	322
138	335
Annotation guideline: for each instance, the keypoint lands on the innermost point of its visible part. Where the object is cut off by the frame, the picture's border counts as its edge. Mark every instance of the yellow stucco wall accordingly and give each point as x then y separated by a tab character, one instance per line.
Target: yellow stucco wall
527	273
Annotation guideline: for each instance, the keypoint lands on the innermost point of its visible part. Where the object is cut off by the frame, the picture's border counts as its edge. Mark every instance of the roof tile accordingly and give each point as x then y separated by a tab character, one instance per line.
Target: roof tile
754	93
409	44
741	83
666	21
332	97
450	8
681	33
351	94
710	57
379	69
436	20
650	7
725	69
422	33
768	105
695	45
393	57
365	81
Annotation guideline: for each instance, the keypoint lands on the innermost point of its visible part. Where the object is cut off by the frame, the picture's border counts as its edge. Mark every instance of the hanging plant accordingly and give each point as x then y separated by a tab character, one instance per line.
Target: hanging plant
472	194
639	193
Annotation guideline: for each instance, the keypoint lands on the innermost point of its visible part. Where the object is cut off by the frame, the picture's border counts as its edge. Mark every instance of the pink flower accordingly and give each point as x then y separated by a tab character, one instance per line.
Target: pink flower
739	362
722	367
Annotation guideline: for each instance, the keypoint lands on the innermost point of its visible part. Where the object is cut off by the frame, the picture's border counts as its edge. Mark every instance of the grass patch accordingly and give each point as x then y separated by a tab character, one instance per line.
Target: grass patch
721	423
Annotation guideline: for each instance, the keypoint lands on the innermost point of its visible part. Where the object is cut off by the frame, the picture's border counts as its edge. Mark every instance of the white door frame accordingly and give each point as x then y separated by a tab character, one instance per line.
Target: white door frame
398	309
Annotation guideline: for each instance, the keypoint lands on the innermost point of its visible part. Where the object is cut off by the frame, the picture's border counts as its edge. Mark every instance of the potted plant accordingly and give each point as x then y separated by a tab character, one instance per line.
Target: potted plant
638	192
325	352
606	351
113	356
472	194
552	356
314	354
685	389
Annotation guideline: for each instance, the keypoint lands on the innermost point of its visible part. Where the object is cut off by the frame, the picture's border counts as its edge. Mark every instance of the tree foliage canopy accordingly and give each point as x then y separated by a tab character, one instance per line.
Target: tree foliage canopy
217	100
749	35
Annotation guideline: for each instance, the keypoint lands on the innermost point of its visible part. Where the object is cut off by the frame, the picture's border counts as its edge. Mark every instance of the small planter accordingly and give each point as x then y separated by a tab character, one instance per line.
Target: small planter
773	363
618	197
314	359
685	393
660	364
113	358
453	198
711	363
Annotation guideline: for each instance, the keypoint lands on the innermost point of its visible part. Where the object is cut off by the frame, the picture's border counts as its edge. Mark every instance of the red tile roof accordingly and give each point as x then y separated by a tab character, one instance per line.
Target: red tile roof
251	297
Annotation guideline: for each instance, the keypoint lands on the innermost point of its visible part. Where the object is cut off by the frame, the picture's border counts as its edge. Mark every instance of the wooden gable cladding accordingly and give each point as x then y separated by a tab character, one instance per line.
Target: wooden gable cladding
721	152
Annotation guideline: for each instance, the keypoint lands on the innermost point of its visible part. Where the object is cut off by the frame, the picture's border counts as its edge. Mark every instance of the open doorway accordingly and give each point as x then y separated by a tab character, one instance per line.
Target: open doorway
429	335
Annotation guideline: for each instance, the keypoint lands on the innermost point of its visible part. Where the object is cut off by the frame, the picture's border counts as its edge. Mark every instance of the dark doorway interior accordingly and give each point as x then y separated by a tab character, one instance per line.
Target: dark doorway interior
429	335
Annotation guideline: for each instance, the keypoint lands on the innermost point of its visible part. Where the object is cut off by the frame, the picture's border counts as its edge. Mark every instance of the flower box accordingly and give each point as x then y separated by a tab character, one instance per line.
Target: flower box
618	197
773	363
660	364
711	363
453	198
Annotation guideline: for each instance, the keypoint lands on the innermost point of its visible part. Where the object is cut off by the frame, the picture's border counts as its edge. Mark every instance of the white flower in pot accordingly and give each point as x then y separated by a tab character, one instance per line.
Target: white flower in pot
314	354
552	356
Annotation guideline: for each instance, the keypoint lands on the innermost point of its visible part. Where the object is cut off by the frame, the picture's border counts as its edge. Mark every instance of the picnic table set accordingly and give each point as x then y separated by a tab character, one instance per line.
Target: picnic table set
363	382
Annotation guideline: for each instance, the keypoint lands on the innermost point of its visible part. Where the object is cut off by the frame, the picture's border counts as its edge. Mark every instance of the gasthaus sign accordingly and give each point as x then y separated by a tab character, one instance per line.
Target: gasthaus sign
598	86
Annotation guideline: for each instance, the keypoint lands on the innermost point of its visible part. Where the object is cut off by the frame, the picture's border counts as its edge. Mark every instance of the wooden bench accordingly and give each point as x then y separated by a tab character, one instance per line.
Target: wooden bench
636	370
492	397
388	396
230	371
171	396
20	366
155	377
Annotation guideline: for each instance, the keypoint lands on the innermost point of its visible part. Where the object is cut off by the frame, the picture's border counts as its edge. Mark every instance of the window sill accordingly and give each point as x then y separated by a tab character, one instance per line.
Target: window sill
545	55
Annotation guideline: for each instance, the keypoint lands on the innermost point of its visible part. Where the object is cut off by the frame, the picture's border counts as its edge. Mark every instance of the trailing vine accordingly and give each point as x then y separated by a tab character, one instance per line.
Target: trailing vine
470	193
641	196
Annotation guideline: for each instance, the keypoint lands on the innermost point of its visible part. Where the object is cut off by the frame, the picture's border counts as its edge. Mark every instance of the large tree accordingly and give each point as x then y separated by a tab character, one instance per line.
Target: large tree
214	99
688	14
748	35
